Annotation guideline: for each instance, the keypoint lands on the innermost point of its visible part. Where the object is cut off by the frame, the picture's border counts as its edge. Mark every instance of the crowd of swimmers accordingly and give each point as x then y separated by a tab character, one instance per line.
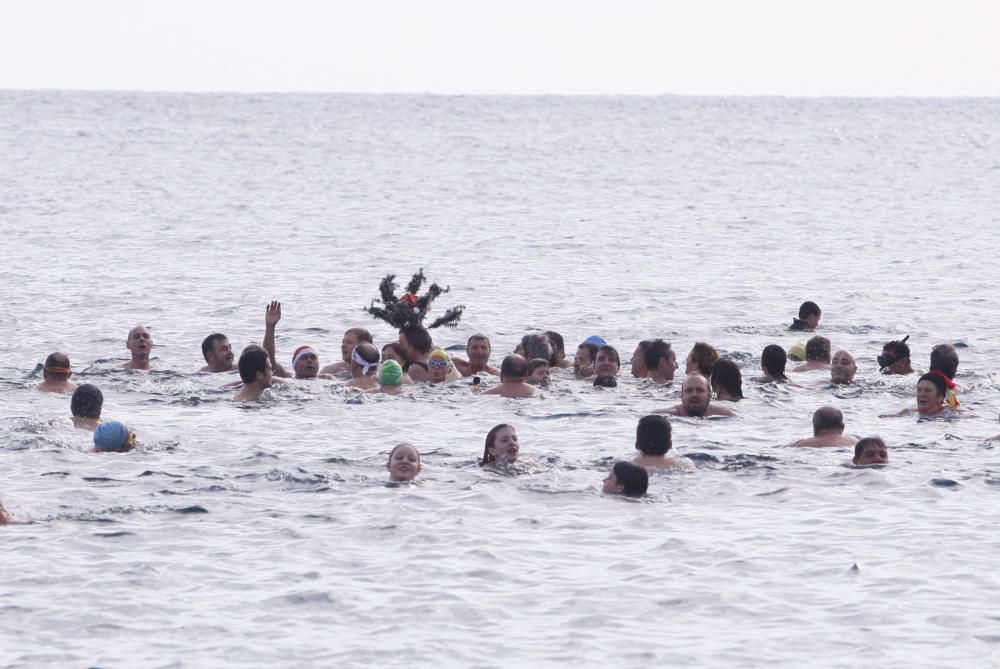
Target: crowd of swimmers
709	381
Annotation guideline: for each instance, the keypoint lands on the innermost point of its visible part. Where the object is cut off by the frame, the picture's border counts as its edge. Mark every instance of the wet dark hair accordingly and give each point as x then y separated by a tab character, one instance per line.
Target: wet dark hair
818	348
477	337
705	356
361	334
253	359
944	358
828	418
774	360
655	349
726	374
514	367
491	439
652	435
859	447
536	346
208	343
808	309
558	345
417	337
535	363
87	401
393	345
898	349
633	478
937	381
605	381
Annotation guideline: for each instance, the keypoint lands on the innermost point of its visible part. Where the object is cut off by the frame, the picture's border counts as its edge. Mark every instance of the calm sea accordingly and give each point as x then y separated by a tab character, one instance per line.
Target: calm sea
267	536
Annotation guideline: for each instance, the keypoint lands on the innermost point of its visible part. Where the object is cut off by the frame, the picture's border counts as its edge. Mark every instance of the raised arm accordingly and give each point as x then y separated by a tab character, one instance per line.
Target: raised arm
271	318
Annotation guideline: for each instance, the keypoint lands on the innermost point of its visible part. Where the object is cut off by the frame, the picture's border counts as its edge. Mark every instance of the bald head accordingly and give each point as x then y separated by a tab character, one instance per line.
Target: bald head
843	367
828	420
513	368
695	395
56	367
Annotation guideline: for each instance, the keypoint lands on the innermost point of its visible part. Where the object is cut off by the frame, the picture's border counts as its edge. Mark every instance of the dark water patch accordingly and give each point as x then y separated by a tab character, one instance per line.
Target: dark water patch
746	461
309	598
854	329
258	455
101	479
945	483
191	401
59	474
211	488
558	416
701	457
150	472
341	461
171	492
114	535
772	492
191	509
988	638
36	372
316	330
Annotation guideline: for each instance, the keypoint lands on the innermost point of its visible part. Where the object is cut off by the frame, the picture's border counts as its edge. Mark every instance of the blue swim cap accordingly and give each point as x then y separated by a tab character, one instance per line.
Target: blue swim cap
111	436
594	339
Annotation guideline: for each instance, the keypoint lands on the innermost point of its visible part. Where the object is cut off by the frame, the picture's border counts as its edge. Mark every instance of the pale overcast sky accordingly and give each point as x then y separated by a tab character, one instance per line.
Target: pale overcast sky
781	47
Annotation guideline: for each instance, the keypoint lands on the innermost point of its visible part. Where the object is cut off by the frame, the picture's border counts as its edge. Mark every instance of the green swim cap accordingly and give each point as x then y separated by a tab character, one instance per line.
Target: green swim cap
797	352
390	373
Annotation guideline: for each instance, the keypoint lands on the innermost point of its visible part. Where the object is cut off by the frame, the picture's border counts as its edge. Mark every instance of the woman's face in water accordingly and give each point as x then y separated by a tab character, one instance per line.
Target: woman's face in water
404	464
390	353
505	446
929	398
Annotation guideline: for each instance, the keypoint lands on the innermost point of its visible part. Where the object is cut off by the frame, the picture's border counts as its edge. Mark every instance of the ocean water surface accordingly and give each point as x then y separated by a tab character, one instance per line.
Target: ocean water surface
267	535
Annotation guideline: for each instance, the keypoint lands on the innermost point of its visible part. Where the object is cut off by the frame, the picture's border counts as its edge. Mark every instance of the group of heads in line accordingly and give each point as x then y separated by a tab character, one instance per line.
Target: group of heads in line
653	442
413	358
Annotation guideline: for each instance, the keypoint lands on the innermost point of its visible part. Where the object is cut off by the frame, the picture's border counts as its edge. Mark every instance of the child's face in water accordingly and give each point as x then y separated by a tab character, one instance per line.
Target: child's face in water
404	464
611	485
505	446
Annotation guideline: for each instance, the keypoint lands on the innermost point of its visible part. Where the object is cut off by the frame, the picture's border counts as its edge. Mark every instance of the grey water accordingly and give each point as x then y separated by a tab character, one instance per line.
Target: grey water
268	536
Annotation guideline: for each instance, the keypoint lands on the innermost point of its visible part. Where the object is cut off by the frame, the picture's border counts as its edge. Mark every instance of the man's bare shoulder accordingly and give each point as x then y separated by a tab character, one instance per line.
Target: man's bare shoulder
716	410
676	410
334	368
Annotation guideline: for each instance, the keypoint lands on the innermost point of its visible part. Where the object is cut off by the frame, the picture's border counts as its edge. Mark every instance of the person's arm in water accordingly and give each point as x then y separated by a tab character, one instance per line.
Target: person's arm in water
271	318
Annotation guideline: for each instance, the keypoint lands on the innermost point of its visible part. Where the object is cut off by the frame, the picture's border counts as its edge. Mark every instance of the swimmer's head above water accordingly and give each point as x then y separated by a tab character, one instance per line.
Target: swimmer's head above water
871	451
113	437
501	446
403	463
626	479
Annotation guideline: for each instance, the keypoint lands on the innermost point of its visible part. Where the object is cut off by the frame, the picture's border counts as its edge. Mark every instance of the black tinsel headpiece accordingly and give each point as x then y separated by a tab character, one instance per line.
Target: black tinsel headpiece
410	309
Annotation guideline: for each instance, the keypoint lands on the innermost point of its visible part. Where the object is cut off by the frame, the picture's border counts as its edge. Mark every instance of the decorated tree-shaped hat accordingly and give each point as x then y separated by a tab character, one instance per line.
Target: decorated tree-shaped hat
410	309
